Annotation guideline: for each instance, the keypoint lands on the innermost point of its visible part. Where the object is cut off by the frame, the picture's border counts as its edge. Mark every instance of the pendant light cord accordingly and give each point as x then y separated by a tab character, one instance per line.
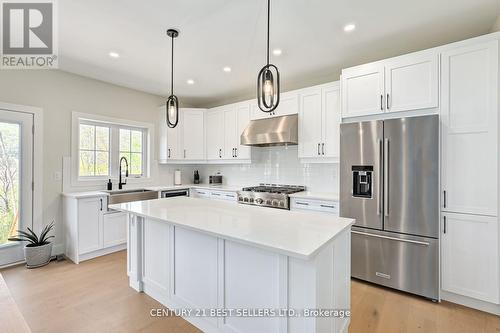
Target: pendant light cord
172	70
268	19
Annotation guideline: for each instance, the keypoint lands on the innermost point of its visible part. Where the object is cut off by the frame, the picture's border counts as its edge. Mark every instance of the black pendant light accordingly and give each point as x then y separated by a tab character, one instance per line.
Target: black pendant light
172	104
268	81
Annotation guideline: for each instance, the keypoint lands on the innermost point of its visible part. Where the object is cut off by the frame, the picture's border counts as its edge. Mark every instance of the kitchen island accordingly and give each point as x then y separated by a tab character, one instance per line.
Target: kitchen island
226	267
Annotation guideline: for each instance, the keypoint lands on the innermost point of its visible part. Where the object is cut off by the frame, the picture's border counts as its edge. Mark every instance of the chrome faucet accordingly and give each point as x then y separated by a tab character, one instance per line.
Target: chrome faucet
120	184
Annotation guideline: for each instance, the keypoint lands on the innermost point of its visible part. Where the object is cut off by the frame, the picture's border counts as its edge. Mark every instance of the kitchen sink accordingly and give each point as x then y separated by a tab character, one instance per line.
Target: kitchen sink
120	196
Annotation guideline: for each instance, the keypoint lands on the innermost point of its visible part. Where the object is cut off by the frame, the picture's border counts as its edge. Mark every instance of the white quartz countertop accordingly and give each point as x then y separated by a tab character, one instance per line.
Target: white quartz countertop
89	194
329	196
296	234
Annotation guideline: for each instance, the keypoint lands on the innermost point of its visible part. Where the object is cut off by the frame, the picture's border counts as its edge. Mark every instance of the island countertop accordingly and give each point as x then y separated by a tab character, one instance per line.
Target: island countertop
295	234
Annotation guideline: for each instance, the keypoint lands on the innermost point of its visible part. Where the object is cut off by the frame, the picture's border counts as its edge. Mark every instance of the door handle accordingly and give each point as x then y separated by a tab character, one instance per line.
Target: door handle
322	149
386	177
379	177
101	204
444	224
391	238
388	103
382	102
319	144
444	199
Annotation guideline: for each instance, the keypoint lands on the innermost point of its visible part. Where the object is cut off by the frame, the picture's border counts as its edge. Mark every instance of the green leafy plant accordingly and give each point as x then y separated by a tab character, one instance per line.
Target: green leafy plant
32	238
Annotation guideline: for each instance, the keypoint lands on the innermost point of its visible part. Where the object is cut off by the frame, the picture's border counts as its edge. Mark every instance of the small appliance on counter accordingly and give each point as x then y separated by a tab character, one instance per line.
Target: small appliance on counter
196	179
177	177
215	179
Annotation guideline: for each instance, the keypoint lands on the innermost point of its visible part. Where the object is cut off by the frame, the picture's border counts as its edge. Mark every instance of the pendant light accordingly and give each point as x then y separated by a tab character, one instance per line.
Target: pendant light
268	81
172	104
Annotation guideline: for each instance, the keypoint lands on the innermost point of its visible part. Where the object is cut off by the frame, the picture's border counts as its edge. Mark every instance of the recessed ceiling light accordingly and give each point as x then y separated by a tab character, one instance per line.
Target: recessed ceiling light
277	52
349	27
114	55
190	81
227	69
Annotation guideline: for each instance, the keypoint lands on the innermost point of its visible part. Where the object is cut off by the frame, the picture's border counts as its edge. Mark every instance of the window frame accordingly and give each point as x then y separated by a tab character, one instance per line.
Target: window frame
95	124
114	125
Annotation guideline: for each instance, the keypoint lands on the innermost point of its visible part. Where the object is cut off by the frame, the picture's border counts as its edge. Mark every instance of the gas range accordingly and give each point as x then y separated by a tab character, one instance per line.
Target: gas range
268	195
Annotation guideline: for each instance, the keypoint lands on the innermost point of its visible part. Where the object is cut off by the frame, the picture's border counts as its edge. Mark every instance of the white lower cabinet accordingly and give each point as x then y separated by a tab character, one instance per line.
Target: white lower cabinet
213	194
90	231
469	256
324	206
114	229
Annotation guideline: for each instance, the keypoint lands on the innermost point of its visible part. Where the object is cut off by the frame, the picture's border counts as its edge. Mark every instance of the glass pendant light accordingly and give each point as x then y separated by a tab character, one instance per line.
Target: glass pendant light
268	81
172	104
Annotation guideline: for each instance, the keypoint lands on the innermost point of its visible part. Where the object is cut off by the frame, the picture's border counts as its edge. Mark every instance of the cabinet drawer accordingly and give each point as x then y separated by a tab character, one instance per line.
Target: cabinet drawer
199	193
223	195
315	205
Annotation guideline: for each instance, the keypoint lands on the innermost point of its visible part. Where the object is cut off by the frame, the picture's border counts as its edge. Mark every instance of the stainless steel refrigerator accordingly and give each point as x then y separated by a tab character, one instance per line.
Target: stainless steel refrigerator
389	183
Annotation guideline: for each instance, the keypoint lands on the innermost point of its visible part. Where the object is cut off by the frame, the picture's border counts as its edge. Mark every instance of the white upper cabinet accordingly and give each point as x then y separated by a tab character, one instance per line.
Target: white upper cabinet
243	111
185	141
319	123
405	83
289	104
214	137
470	262
363	90
411	82
310	123
230	132
469	129
193	128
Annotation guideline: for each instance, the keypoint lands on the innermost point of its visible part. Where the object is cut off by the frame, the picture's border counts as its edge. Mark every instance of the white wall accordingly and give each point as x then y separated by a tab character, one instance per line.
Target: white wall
278	165
58	94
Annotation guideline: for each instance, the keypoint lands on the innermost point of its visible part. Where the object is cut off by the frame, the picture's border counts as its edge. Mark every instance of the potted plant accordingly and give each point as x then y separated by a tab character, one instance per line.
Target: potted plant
38	250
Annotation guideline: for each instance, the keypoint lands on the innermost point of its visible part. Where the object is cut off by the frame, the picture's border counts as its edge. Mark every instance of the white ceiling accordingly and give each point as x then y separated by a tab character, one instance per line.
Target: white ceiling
218	33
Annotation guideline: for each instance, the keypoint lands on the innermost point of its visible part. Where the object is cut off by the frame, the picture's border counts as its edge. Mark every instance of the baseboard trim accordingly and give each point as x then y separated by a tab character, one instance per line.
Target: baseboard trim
471	302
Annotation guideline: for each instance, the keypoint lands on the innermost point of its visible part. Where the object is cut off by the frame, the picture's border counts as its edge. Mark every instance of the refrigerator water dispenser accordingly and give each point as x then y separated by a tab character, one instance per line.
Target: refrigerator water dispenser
362	181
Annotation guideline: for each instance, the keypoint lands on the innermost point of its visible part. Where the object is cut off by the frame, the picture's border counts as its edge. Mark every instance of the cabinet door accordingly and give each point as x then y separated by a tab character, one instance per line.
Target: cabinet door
469	129
162	136
193	134
114	226
243	115
469	246
230	118
310	125
411	82
174	142
331	119
289	104
90	224
363	90
214	134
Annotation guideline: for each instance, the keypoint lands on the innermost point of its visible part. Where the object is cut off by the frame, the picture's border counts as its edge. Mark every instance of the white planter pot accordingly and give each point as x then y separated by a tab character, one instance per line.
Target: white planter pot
37	256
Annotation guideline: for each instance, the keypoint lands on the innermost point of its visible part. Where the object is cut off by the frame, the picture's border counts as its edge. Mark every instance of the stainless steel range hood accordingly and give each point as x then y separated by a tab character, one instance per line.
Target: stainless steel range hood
276	131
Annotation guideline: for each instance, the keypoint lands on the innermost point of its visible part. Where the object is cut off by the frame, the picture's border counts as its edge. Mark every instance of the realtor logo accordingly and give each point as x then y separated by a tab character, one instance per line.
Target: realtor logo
28	31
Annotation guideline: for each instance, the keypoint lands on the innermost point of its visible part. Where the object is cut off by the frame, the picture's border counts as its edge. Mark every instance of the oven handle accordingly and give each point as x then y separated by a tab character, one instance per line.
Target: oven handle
390	238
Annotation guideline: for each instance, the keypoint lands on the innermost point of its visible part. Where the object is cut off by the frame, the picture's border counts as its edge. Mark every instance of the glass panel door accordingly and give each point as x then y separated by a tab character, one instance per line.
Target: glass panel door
16	177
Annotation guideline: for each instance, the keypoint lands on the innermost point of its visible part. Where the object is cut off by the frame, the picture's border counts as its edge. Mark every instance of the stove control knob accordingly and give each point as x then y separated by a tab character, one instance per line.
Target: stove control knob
245	199
240	198
275	203
259	201
251	199
282	203
268	202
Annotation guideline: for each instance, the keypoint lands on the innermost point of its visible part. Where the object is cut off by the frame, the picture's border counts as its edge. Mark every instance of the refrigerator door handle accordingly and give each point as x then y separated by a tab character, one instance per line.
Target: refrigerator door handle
390	238
379	177
386	177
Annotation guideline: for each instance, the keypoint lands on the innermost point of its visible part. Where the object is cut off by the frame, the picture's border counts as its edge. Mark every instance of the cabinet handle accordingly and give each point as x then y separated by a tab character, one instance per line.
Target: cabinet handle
388	103
322	149
235	152
382	102
229	195
444	224
444	199
101	204
327	206
184	153
168	153
302	203
220	153
216	194
319	144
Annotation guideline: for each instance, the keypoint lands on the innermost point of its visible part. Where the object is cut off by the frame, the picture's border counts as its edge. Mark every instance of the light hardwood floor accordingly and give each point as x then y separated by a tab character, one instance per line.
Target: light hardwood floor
94	297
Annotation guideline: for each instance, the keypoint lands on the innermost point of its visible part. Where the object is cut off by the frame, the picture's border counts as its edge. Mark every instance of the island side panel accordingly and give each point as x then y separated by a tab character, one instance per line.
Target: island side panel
134	252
